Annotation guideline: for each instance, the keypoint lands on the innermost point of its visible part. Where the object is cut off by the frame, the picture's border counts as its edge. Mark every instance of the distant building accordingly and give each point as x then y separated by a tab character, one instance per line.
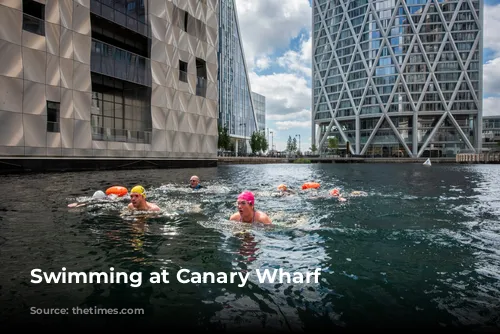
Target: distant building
88	82
398	78
236	108
259	102
491	132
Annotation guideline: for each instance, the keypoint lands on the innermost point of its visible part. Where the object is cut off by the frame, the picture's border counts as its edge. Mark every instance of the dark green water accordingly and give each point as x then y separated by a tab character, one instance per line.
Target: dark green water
422	250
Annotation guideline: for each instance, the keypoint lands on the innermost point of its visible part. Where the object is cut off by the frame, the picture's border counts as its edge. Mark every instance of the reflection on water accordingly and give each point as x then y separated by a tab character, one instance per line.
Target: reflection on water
411	245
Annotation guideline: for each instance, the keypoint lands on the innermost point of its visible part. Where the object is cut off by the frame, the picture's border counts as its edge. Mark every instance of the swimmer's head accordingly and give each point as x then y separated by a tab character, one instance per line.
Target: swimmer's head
138	190
99	194
282	187
247	196
335	192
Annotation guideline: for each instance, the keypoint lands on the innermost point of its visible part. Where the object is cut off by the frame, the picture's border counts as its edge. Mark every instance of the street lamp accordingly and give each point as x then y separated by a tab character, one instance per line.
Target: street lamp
299	143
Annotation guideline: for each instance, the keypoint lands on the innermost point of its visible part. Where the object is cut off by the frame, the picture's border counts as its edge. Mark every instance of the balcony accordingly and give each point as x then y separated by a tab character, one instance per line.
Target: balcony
109	60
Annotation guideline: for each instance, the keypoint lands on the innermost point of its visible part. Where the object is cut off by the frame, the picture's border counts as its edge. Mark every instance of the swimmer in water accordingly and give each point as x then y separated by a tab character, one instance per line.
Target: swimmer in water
336	193
138	200
284	191
194	183
246	210
98	197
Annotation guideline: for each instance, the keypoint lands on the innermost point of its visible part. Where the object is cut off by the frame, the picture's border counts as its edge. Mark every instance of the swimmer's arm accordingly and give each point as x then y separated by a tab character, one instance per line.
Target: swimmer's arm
235	216
264	219
154	207
130	206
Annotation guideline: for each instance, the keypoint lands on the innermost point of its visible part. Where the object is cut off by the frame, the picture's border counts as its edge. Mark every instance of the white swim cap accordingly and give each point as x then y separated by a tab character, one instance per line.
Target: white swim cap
99	194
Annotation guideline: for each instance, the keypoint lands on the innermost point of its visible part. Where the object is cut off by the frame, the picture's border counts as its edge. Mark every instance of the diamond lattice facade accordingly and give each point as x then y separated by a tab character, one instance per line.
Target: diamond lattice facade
109	79
398	78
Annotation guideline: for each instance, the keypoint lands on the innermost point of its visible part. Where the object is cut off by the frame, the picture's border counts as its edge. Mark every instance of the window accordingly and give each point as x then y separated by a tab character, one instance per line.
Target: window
33	17
183	68
186	16
201	77
53	116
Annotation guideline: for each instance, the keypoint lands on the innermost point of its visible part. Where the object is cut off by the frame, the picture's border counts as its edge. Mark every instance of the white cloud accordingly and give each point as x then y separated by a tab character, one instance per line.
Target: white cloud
303	114
491	106
491	76
268	25
492	22
286	93
299	61
287	125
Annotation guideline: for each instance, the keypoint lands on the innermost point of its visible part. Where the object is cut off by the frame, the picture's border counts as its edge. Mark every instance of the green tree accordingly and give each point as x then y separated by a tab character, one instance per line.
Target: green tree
224	140
333	143
264	145
294	144
289	144
255	142
313	148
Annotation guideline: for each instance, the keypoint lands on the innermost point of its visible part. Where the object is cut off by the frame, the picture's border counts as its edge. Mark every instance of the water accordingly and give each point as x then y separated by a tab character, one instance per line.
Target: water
421	250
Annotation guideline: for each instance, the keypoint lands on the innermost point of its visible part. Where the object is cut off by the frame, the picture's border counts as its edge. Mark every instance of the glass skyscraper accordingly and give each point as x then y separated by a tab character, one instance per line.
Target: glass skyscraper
398	78
236	109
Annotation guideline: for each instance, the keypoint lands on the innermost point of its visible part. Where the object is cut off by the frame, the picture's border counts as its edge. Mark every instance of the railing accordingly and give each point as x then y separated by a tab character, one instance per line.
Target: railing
118	63
491	157
201	86
33	24
121	135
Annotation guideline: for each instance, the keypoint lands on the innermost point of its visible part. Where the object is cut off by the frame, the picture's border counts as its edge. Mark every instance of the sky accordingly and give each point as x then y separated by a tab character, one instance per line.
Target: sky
276	37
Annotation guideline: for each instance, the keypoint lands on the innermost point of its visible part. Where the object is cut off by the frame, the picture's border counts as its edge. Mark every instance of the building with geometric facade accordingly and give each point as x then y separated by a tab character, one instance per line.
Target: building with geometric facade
398	78
236	106
109	80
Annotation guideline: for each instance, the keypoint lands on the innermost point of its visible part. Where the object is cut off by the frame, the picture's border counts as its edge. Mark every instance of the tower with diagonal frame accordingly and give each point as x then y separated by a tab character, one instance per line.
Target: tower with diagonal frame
398	77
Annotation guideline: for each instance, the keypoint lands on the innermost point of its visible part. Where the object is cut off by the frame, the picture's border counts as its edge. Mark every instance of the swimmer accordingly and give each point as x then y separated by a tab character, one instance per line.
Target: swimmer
97	197
194	183
336	193
138	200
246	210
284	191
358	193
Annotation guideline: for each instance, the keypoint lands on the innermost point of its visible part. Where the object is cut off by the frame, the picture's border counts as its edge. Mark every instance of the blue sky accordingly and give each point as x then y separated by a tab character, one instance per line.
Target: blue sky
277	44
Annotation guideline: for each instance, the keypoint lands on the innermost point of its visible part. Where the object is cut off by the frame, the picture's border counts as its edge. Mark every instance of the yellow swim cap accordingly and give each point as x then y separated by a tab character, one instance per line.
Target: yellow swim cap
138	190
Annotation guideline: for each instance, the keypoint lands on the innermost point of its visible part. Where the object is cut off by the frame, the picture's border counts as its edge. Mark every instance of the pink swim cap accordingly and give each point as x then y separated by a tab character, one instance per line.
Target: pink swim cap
247	196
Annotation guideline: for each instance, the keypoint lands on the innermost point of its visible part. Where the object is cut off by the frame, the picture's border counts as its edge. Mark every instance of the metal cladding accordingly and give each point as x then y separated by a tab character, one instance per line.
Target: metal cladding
398	78
45	64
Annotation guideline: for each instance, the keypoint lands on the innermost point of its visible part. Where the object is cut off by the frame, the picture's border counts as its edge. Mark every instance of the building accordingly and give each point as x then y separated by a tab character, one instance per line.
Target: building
259	103
236	106
95	84
491	133
398	78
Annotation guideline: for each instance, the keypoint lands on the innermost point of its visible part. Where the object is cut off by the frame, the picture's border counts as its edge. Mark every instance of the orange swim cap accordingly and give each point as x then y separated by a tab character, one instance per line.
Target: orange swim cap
282	187
335	192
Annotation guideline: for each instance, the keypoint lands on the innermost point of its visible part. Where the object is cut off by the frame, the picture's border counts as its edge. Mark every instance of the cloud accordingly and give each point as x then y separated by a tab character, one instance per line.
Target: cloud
303	114
299	61
287	125
269	25
286	93
492	21
491	106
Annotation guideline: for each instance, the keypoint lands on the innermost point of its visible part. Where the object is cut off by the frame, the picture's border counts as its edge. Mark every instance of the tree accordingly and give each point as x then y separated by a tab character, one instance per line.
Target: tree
258	142
294	144
333	143
313	148
289	144
224	140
